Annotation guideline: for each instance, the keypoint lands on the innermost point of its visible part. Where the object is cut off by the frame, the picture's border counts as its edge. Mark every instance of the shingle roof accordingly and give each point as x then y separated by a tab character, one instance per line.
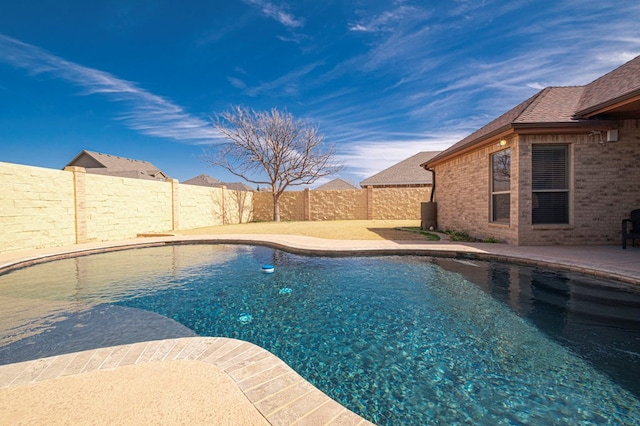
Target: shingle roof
616	85
406	172
550	105
106	164
335	184
203	180
238	186
206	180
559	106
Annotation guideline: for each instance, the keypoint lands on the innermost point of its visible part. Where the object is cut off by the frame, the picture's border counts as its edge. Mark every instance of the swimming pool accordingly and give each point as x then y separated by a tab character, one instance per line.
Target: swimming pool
396	339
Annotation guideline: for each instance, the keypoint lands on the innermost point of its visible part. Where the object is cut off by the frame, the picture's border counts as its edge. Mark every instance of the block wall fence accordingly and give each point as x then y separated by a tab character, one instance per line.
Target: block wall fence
352	204
42	207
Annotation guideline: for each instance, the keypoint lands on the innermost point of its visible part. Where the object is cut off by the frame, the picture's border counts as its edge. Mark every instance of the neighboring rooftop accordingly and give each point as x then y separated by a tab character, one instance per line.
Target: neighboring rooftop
335	184
206	180
111	165
405	173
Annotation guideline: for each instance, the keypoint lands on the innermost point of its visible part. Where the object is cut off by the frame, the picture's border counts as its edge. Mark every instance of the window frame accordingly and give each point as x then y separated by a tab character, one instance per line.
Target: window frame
492	190
568	189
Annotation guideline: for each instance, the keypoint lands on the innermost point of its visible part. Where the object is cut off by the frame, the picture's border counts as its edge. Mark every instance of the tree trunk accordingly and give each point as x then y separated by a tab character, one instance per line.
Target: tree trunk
276	207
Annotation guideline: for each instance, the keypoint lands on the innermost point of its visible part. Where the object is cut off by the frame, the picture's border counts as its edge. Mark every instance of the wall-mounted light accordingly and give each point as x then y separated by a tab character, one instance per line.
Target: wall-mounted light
502	142
604	136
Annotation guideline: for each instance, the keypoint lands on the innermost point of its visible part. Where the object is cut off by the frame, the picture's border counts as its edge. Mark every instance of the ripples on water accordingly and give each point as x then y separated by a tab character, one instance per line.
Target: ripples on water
399	340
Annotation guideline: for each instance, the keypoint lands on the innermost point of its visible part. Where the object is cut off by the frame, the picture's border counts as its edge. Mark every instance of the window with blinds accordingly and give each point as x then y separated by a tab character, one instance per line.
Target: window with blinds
550	184
501	186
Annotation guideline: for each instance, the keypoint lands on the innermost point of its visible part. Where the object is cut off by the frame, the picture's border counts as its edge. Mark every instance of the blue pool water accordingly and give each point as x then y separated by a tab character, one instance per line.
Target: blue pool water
397	339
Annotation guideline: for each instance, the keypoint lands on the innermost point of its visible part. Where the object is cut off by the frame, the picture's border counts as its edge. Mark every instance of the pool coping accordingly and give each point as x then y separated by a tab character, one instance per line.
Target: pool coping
610	262
288	404
280	394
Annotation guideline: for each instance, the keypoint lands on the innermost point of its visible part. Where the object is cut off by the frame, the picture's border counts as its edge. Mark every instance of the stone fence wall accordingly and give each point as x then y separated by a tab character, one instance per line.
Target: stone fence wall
353	204
45	208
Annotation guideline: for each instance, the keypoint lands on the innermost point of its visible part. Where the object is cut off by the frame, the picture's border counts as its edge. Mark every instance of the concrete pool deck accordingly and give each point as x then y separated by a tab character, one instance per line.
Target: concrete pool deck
219	380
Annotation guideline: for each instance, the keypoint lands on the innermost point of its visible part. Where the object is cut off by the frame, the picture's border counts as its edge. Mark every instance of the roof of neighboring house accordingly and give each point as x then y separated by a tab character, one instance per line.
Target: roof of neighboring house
406	172
106	164
203	180
238	186
206	180
335	184
617	92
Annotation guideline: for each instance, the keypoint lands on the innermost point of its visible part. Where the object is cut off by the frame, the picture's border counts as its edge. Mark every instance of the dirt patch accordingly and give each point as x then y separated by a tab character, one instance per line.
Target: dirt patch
335	229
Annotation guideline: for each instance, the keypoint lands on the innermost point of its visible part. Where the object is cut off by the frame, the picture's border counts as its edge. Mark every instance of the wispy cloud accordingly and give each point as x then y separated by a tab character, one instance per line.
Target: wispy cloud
286	84
385	21
278	13
144	111
369	157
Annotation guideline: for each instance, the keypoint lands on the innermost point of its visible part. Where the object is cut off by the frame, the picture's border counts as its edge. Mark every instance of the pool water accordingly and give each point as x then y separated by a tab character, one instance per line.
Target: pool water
396	339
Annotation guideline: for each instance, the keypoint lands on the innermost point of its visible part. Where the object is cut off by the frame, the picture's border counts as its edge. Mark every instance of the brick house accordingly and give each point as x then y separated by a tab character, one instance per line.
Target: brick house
111	165
336	184
560	168
405	174
206	180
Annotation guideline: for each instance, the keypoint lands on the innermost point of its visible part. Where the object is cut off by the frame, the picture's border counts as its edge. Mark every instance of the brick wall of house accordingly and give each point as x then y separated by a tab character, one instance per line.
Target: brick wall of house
463	195
605	188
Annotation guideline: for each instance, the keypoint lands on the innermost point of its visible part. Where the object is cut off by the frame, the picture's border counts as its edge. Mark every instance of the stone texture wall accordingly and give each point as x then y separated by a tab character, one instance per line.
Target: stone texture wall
199	206
604	188
119	208
355	204
399	203
46	208
292	206
36	207
338	204
238	206
262	206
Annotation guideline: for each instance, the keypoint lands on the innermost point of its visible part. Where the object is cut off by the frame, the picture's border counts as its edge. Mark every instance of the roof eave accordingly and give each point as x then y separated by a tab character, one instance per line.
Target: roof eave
522	128
474	144
628	98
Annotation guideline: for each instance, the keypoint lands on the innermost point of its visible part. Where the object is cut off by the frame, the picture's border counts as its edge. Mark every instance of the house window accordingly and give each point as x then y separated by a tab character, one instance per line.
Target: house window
550	184
501	186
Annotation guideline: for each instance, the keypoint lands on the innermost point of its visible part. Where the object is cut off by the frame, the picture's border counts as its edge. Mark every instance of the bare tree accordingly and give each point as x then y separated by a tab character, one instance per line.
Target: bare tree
271	148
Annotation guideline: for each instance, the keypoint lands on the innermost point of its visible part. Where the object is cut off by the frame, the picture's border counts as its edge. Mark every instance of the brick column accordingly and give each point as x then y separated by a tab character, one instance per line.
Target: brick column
307	204
80	202
223	204
175	204
370	203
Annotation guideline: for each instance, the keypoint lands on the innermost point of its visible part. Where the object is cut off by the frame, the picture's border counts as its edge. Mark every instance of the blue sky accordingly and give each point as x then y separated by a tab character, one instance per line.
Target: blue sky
383	80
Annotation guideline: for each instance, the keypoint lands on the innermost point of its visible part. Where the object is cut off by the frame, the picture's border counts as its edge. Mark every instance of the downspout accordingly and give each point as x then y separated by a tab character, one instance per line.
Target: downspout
433	182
